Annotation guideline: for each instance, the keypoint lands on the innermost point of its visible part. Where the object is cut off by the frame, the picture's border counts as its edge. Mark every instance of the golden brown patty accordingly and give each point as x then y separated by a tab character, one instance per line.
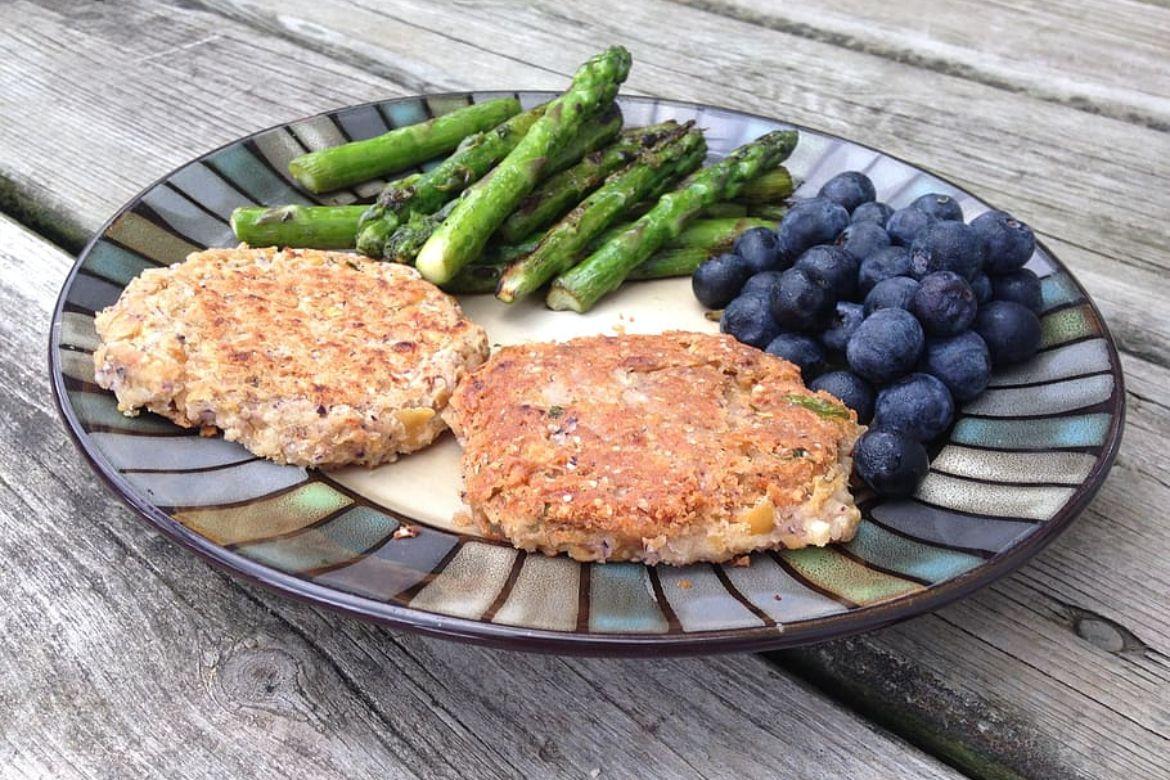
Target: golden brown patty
674	448
312	358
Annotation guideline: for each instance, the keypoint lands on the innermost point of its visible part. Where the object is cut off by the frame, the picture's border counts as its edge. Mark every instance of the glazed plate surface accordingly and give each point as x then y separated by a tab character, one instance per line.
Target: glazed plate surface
1018	465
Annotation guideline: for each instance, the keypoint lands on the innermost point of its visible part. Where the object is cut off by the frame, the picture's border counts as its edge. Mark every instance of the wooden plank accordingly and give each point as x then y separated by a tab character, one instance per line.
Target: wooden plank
1100	56
124	654
950	678
1100	211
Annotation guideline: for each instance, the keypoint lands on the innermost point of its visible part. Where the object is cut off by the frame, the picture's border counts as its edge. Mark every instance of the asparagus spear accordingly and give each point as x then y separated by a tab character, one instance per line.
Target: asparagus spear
565	241
724	210
305	227
680	261
358	161
603	271
549	202
462	236
474	157
702	239
404	243
770	187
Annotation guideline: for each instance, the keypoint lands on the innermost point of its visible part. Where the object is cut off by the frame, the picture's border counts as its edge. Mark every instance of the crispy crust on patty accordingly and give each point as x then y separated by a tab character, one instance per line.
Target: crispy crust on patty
674	448
312	358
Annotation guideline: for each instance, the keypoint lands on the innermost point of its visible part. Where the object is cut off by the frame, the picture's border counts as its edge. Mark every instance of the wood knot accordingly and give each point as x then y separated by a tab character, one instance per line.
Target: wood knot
260	677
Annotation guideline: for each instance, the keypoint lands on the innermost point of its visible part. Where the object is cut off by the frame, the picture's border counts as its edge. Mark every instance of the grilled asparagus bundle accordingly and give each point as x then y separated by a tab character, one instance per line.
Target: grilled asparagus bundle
584	284
526	197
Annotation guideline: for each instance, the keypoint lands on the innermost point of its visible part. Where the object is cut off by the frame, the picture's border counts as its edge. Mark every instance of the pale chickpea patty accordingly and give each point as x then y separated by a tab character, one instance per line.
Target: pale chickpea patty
674	448
318	359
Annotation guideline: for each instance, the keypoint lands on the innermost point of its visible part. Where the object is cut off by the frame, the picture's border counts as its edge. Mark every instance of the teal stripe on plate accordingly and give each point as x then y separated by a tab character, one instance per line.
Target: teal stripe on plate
777	594
168	453
406	112
112	262
337	541
701	602
1057	290
100	409
1086	430
621	601
248	173
903	556
222	486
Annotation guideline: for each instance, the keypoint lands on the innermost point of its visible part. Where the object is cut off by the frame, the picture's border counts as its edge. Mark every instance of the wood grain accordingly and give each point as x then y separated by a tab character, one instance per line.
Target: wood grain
1090	184
1102	57
123	654
1059	670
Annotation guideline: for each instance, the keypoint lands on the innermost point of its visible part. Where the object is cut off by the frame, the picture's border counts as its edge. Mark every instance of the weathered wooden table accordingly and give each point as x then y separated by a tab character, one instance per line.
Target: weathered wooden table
121	654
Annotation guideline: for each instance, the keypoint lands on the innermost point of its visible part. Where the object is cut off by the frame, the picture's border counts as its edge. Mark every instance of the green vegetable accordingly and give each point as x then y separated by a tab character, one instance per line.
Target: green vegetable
567	240
549	201
474	157
821	407
603	271
358	161
404	244
307	227
770	187
462	236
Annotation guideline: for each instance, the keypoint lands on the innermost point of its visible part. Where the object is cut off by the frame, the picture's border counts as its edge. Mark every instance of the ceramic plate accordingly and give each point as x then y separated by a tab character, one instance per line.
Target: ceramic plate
1019	463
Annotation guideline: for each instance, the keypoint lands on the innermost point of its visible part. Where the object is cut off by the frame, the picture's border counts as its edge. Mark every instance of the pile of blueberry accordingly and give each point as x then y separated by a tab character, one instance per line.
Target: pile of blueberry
899	313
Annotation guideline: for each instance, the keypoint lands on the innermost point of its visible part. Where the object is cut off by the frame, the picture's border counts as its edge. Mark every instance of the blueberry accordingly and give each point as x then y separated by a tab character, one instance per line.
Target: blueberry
844	323
850	189
1022	286
881	265
874	212
895	293
947	246
801	301
1010	330
758	247
862	239
833	266
981	284
945	304
718	280
886	346
919	406
892	464
748	319
808	223
1009	242
804	351
904	225
761	283
961	362
941	207
852	390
